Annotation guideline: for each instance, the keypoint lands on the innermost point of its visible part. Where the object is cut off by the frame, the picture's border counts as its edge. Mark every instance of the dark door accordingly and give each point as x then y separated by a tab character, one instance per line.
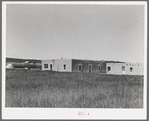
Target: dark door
51	67
90	68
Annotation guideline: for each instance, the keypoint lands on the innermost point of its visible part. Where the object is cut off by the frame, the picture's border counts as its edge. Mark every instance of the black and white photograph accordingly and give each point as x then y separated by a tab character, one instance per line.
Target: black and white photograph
74	59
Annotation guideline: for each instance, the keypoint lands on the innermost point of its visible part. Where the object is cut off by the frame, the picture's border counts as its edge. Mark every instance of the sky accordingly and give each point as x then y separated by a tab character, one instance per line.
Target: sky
97	32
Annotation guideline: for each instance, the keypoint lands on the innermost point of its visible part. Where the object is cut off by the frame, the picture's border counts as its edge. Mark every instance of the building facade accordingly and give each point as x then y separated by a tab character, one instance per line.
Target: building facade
90	66
75	65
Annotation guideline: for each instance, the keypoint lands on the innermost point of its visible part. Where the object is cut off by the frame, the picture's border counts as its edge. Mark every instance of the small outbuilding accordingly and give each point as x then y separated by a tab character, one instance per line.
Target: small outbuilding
62	65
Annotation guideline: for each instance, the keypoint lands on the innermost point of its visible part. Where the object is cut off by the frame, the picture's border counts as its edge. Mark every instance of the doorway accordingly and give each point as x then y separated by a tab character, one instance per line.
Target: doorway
90	68
123	69
109	69
51	67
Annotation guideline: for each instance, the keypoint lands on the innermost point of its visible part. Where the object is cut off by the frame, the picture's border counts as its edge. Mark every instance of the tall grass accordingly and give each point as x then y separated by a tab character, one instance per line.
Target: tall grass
72	90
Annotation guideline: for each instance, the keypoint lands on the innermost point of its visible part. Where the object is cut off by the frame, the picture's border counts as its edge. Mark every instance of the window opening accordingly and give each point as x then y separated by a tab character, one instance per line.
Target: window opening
45	65
123	68
131	69
109	68
64	66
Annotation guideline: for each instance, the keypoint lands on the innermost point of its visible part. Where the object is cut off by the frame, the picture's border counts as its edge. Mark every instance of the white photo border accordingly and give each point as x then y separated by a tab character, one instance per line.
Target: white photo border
72	113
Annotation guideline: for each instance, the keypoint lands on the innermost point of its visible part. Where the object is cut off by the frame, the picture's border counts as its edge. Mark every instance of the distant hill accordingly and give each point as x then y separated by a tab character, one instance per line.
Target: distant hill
39	61
22	60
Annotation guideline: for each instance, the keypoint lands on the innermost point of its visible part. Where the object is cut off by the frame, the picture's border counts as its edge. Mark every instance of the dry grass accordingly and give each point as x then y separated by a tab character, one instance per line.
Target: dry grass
72	90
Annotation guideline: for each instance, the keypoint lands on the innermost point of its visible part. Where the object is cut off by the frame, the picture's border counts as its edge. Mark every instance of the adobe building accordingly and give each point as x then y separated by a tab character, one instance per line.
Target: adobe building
62	65
125	68
76	65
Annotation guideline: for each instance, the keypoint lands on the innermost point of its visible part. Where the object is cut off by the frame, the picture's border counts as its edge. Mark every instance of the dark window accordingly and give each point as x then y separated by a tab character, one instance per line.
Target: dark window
123	68
126	64
99	67
109	68
64	66
80	67
50	66
131	69
45	65
132	64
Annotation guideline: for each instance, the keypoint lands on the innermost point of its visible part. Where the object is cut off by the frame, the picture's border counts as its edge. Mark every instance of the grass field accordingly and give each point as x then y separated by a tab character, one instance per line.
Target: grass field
72	90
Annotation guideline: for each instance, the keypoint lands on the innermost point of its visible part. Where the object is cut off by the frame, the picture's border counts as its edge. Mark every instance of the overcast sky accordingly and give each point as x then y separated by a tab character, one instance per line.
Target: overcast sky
97	32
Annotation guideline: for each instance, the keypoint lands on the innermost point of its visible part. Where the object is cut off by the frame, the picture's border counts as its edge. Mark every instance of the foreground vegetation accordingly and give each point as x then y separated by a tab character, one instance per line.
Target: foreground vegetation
72	90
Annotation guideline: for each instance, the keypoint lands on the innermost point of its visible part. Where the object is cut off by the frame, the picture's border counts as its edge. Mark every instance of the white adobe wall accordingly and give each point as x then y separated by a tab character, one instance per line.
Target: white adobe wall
116	68
46	62
137	70
58	65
